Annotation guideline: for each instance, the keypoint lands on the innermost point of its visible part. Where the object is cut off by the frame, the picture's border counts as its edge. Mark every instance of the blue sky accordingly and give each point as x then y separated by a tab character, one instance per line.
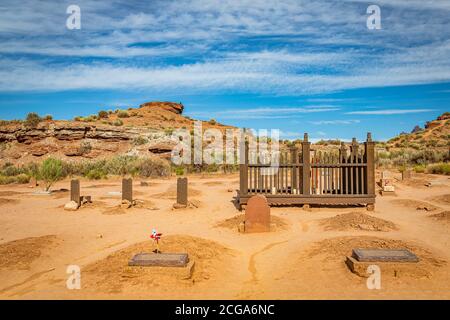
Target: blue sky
297	66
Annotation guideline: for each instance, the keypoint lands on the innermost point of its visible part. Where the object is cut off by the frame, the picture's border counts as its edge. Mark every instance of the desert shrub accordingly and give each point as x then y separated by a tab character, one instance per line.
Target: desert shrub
153	167
168	131
22	178
50	171
121	165
78	118
48	117
123	114
32	120
9	170
96	174
420	168
102	114
179	171
118	123
7	180
85	147
139	140
212	121
439	168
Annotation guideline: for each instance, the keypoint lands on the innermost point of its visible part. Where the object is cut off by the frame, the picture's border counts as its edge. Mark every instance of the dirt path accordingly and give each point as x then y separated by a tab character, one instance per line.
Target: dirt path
271	265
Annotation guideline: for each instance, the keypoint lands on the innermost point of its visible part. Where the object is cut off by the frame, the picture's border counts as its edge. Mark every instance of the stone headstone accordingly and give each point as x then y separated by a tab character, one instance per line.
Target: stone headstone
75	191
385	175
159	260
182	191
127	189
257	214
406	174
384	255
33	183
388	188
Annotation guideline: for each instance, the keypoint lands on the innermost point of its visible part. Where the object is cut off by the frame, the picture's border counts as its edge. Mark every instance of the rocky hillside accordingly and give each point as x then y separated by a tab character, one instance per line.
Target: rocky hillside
435	134
137	131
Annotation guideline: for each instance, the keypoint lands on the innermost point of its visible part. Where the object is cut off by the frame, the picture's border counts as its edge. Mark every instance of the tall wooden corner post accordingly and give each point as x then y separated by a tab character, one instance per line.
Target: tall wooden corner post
243	168
294	161
370	160
306	168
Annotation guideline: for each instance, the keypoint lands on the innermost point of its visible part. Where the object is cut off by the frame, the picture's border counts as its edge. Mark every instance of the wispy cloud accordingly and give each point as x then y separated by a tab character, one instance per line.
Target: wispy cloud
335	122
265	112
286	47
390	111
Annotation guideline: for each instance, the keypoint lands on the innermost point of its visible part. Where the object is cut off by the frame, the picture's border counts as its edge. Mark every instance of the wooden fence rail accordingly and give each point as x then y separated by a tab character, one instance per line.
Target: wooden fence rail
308	176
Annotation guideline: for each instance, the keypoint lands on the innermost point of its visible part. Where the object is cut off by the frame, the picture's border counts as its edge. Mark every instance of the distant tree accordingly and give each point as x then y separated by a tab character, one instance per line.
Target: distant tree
32	119
416	129
50	171
102	114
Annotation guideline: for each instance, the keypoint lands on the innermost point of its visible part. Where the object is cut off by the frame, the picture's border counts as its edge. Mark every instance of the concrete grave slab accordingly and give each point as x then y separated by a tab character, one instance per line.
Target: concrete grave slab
384	255
160	260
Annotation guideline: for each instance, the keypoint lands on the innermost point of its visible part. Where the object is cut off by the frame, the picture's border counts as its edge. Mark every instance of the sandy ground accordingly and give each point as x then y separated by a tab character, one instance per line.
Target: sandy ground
302	259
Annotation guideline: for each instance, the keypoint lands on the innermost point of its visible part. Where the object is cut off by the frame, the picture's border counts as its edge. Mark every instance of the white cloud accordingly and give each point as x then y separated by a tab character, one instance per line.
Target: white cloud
335	122
390	111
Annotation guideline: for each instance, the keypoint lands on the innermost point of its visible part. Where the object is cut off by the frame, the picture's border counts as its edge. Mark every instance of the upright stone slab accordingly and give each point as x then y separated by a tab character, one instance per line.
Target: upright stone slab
33	183
75	191
182	191
257	215
406	174
127	189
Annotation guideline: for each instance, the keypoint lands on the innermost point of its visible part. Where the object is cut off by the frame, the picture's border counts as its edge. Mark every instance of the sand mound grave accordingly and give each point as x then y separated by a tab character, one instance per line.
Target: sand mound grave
443	199
441	216
336	249
356	221
414	204
233	223
20	254
119	209
112	274
4	201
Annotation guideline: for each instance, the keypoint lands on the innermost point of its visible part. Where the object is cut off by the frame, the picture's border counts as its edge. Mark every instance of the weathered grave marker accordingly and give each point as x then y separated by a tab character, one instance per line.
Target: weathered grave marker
390	261
257	215
380	255
127	189
160	260
406	174
33	183
182	191
75	191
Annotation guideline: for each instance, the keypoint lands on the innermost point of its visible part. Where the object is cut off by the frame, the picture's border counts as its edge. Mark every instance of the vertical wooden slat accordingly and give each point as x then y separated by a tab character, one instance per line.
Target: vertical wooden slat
370	160
243	170
306	165
294	161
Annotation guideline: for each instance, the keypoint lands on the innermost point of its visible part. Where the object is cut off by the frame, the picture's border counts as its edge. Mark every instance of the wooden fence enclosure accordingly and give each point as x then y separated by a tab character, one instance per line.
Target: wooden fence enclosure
308	176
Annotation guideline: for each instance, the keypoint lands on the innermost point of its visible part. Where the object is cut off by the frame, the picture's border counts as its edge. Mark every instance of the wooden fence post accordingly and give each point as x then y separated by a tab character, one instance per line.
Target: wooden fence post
243	170
294	161
306	165
370	160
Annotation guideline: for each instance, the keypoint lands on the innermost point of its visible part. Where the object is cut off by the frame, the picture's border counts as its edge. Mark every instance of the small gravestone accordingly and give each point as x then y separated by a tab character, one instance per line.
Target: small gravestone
159	260
182	191
257	215
406	174
384	255
33	183
127	189
75	191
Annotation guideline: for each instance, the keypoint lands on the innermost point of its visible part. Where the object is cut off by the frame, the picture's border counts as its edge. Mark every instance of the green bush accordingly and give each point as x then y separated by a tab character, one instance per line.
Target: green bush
123	114
439	168
96	174
50	171
420	168
102	114
48	117
212	121
153	167
179	171
138	141
118	123
32	120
